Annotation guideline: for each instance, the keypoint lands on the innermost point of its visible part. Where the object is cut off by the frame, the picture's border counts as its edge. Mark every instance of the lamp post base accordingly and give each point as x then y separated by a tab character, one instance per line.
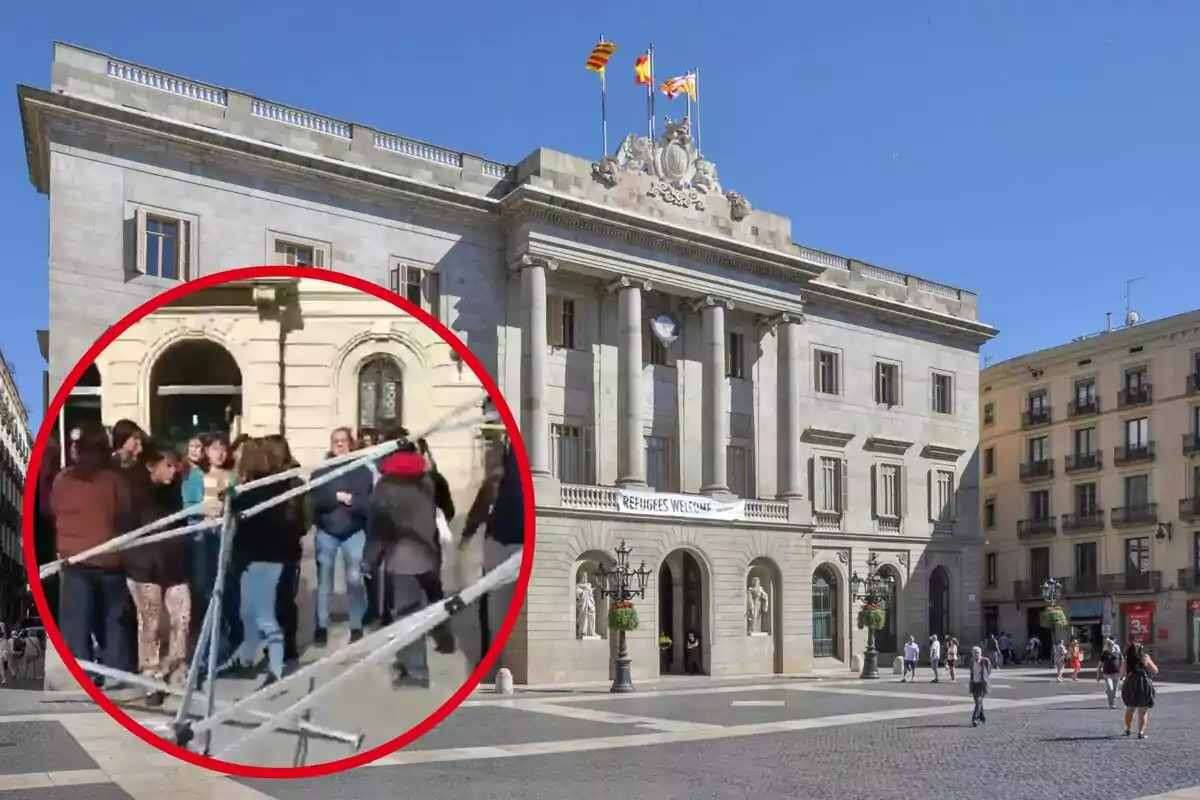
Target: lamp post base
623	677
870	670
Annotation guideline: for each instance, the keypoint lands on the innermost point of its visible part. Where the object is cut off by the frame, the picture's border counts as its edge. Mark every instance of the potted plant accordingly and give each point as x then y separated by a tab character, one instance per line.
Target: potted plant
872	618
622	617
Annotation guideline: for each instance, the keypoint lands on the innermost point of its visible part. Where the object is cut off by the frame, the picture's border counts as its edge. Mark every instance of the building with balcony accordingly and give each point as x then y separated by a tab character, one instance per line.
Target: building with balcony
731	403
1091	474
15	444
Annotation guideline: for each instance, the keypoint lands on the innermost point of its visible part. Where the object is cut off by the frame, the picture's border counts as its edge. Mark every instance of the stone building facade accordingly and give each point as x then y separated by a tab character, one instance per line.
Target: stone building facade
690	380
15	444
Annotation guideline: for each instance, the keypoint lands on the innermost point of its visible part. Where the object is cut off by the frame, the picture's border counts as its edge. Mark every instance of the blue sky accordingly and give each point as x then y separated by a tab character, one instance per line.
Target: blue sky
1038	153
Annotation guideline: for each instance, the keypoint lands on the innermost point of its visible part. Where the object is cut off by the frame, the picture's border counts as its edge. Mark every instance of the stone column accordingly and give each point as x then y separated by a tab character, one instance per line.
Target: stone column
715	415
631	455
791	372
535	423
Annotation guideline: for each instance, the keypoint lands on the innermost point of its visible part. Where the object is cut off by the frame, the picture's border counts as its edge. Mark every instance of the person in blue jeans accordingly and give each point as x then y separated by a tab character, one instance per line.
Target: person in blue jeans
340	512
264	543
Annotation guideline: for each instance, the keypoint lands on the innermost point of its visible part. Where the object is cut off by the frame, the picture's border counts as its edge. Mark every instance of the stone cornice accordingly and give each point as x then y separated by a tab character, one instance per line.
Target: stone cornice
39	106
975	332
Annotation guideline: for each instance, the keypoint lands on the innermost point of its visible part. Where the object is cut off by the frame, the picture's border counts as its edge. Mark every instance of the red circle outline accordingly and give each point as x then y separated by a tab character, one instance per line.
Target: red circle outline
29	511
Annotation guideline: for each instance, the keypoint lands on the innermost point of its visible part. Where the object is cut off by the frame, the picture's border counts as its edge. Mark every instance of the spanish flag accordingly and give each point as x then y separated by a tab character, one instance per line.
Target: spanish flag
642	69
601	53
684	84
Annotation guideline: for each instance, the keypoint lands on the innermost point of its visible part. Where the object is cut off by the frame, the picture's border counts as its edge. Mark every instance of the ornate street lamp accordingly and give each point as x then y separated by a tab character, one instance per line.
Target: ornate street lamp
874	591
621	585
1051	591
1053	617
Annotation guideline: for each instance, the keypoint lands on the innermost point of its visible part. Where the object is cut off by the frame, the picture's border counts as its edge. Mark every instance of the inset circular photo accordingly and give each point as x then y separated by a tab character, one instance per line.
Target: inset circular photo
281	523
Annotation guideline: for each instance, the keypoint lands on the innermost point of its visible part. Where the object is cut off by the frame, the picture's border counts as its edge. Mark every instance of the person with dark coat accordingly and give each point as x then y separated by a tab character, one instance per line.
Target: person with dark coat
265	543
158	573
340	514
431	583
288	590
402	534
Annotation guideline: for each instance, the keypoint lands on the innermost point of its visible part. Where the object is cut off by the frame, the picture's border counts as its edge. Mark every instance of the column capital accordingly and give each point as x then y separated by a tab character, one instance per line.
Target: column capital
710	301
526	261
626	282
769	324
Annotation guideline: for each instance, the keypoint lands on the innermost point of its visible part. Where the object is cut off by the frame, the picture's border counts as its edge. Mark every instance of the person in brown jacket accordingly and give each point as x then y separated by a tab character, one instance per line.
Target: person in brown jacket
158	573
88	500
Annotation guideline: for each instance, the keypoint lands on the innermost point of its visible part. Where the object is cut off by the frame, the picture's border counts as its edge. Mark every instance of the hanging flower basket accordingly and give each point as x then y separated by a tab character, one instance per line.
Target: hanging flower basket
1054	618
872	618
622	617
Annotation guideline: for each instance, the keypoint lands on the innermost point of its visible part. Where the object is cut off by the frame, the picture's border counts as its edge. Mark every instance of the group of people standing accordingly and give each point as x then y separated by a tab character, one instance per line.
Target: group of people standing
139	609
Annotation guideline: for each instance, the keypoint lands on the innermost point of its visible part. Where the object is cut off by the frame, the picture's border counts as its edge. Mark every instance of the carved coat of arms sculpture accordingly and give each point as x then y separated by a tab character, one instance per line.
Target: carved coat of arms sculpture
678	174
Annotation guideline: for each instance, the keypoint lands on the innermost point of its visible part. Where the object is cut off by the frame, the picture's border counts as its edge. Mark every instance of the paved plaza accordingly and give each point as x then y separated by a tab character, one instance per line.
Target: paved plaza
681	738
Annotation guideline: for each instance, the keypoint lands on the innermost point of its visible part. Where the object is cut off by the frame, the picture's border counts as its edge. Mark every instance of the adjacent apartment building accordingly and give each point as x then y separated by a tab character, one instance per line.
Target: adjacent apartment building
1090	474
15	445
742	409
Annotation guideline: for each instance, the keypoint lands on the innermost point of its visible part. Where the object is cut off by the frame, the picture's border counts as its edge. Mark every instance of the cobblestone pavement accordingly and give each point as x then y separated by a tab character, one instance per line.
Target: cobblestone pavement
765	738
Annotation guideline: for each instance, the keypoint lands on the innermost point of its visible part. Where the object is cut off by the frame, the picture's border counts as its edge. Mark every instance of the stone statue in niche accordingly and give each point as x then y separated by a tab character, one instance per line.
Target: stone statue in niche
757	605
585	609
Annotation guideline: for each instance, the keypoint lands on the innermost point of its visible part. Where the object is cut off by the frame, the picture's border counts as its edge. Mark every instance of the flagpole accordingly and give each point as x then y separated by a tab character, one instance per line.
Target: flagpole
699	151
604	106
650	94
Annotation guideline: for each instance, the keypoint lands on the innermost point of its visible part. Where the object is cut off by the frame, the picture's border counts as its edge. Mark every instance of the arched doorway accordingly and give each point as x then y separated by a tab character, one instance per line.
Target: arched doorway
380	394
887	639
195	387
939	603
685	578
826	624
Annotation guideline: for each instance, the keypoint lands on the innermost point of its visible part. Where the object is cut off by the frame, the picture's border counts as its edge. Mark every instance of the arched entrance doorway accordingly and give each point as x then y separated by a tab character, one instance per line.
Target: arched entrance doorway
826	622
887	640
685	578
195	387
939	603
380	394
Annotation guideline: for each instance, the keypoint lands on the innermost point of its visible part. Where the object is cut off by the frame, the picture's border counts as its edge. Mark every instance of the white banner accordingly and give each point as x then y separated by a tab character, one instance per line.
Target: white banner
679	505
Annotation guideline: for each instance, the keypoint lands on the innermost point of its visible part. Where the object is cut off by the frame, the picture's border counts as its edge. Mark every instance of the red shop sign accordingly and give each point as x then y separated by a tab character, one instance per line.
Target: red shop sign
1194	605
1141	624
1138	608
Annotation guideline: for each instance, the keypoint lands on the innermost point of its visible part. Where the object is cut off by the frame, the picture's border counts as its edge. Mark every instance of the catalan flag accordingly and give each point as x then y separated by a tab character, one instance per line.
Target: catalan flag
684	84
601	53
641	68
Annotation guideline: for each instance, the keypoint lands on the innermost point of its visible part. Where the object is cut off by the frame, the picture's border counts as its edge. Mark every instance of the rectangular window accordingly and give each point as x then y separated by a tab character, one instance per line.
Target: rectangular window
943	496
1085	394
561	322
739	471
1039	449
1085	441
829	485
943	393
1136	379
989	413
1039	403
1039	504
888	500
660	463
1039	565
653	350
417	286
1087	563
735	355
299	255
162	246
887	384
826	378
1086	502
1137	433
1137	491
571	454
1137	555
989	461
989	561
989	514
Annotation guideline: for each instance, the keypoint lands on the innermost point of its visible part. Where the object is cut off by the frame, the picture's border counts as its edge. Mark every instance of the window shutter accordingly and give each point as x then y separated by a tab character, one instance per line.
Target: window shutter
901	492
845	486
554	320
318	257
729	355
929	492
812	482
140	264
433	295
951	506
184	251
876	488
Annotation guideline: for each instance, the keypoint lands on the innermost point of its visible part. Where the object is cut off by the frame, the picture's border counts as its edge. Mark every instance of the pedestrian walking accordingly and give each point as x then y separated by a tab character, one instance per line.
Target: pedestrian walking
402	533
952	657
5	655
981	674
935	657
993	651
691	654
1075	657
340	513
1059	659
158	573
1109	670
1137	691
912	652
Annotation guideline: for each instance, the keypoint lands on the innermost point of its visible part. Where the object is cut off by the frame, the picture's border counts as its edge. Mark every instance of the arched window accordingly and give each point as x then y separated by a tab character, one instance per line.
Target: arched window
825	625
380	395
